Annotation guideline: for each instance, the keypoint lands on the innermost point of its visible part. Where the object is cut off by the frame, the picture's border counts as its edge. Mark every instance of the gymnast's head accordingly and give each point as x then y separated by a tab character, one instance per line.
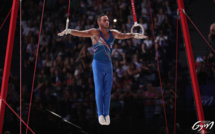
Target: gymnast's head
103	21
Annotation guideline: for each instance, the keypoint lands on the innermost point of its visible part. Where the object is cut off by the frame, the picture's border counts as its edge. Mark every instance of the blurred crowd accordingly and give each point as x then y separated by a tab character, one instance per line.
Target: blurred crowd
64	80
205	68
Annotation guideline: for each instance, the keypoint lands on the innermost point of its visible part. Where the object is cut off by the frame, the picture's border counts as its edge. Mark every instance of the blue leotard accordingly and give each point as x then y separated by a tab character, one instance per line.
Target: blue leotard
103	72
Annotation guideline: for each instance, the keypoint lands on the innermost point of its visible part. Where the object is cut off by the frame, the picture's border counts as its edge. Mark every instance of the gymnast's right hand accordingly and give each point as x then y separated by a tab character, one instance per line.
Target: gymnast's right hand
64	32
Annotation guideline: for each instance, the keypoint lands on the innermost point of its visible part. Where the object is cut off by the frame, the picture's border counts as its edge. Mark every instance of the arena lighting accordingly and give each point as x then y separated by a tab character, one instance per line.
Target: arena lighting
114	20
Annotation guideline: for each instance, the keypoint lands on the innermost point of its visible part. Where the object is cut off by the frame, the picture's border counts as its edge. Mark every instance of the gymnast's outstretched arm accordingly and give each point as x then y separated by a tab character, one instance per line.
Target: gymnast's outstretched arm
119	35
84	33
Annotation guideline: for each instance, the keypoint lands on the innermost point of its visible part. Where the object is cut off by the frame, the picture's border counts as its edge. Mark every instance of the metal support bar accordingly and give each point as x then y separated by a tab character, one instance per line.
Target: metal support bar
191	62
8	58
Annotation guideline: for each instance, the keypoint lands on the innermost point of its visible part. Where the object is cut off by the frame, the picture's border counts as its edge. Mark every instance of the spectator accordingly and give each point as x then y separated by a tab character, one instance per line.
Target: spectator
117	52
211	35
149	96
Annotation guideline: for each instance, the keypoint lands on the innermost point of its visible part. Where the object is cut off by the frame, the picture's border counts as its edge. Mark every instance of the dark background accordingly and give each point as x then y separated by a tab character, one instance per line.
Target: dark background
64	82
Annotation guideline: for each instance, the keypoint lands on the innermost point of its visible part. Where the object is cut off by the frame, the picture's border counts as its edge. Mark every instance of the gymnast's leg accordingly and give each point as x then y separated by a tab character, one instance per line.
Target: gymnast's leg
98	81
108	80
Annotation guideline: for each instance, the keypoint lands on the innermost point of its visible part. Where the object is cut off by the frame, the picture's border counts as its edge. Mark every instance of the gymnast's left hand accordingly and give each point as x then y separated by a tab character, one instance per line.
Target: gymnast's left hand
62	33
140	36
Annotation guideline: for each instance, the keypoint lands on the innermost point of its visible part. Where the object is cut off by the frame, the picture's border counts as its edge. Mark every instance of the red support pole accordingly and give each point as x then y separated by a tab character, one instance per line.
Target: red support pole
8	58
191	62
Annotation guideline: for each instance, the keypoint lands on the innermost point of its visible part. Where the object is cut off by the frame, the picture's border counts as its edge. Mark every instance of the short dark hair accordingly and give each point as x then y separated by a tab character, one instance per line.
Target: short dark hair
100	15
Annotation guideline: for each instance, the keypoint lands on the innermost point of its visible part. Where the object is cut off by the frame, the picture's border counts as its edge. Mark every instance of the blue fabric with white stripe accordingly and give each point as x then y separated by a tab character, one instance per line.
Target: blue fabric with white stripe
103	47
103	73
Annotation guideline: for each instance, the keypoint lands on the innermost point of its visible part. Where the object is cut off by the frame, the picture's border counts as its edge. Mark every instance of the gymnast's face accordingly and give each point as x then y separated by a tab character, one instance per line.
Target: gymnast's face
103	22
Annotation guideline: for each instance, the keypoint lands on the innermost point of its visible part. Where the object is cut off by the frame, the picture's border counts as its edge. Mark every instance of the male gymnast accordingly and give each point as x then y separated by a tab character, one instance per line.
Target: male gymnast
102	40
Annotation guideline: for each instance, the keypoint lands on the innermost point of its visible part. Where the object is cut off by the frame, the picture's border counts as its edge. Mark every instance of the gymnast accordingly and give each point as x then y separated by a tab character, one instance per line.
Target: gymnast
102	40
